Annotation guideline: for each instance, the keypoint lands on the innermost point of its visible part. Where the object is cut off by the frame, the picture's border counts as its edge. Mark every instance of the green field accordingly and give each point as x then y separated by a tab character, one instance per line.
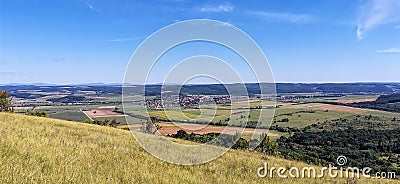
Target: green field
173	114
383	114
71	113
300	118
43	150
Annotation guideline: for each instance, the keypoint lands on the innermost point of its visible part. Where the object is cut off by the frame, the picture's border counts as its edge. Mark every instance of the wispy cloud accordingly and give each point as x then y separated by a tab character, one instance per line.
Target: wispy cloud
397	27
284	17
6	73
124	39
218	8
375	13
391	50
90	6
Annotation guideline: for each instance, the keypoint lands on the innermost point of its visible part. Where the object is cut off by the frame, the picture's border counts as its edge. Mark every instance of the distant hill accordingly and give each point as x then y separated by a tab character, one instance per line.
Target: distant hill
42	150
215	89
281	88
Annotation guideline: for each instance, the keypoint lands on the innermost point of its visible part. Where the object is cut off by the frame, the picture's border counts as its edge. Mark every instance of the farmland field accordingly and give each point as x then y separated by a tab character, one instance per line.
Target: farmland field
103	111
71	113
301	119
298	115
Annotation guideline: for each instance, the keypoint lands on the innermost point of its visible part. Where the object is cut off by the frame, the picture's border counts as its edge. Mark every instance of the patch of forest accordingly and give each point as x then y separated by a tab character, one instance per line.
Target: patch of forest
366	141
389	103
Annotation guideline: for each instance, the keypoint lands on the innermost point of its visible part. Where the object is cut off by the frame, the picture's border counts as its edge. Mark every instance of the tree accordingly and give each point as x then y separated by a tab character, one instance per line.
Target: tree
4	102
290	132
267	146
181	134
105	122
114	123
151	126
38	113
284	120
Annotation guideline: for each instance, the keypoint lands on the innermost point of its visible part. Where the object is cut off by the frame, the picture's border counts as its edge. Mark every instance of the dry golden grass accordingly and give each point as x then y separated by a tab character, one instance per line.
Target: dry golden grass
42	150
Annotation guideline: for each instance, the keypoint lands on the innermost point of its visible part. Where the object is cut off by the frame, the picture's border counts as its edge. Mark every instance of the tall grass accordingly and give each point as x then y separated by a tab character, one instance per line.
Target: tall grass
43	150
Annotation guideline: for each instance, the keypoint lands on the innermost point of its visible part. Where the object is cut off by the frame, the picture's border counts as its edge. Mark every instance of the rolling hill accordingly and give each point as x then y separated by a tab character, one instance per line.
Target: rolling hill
43	150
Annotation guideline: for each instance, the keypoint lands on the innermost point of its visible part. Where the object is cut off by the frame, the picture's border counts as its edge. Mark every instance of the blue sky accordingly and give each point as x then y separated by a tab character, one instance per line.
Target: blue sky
82	41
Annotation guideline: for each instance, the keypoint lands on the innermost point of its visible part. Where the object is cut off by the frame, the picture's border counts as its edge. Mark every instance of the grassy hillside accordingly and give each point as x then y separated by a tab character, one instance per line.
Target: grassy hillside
42	150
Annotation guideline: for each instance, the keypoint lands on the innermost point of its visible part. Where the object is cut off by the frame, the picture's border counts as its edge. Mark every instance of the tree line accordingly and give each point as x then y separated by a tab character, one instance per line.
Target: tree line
265	145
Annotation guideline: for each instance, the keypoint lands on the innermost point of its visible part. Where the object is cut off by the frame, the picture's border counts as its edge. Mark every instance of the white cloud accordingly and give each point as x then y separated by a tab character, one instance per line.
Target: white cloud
286	17
219	8
92	8
375	13
391	50
397	27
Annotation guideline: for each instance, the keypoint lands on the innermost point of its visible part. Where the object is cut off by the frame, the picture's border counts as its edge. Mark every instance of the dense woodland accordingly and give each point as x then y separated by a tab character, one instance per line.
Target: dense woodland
367	141
389	103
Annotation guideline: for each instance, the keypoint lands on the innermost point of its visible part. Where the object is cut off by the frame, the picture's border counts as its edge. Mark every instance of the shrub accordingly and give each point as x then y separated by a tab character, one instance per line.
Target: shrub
38	113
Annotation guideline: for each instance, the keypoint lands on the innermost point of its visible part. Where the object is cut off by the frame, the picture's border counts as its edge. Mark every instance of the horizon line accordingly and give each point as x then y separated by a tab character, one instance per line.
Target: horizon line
116	83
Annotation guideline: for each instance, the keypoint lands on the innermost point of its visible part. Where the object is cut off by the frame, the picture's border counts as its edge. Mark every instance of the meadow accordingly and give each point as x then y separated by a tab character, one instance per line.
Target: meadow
71	113
44	150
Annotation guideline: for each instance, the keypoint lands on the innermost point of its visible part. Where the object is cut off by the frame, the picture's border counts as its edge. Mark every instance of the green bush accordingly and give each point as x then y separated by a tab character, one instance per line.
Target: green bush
38	113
